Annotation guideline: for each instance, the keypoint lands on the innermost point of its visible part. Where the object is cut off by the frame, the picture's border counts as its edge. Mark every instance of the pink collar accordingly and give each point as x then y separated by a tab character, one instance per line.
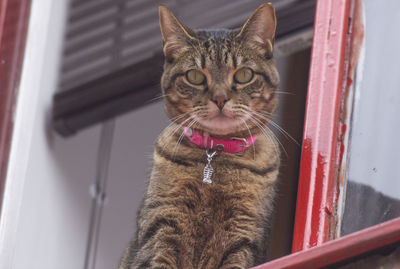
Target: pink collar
234	145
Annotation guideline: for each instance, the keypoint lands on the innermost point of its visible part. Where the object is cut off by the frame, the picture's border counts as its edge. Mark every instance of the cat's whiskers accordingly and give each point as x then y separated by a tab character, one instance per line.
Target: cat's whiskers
174	121
267	133
241	106
251	135
158	97
283	92
262	127
173	131
201	112
178	142
290	91
268	118
178	125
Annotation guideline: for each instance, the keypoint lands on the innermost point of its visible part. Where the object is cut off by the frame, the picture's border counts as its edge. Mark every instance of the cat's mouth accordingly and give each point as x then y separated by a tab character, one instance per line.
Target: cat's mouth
221	116
225	121
221	123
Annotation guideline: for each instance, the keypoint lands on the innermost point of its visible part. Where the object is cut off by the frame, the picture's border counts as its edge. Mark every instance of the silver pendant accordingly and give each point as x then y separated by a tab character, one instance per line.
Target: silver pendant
208	170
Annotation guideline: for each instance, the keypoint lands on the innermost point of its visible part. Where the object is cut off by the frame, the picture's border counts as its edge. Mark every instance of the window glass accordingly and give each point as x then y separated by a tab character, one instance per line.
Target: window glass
373	178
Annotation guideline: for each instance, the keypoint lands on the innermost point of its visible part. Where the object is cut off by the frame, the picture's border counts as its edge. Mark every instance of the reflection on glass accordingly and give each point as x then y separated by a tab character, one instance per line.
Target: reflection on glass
373	188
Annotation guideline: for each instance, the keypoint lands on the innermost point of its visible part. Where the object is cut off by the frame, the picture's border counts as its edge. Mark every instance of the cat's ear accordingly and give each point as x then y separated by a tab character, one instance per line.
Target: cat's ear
260	27
175	36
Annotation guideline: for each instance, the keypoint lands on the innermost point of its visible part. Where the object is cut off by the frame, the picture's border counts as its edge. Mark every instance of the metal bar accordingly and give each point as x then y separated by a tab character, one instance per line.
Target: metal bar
316	193
99	192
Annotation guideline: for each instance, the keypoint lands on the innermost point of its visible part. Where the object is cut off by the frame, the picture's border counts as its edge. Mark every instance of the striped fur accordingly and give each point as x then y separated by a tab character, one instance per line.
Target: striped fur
182	222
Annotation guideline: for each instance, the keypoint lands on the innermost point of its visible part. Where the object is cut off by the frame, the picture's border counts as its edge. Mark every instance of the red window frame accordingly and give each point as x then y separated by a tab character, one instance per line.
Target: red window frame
339	250
319	186
317	191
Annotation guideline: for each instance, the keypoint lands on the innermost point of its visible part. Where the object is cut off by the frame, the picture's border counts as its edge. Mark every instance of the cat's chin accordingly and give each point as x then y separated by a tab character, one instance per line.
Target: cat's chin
221	125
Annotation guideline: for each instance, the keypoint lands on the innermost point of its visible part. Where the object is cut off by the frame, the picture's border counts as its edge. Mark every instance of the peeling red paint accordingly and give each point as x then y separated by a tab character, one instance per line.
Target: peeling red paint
336	47
328	210
349	81
341	138
318	168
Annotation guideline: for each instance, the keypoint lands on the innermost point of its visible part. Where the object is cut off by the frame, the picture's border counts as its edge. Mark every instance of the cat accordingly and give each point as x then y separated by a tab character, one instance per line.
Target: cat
219	90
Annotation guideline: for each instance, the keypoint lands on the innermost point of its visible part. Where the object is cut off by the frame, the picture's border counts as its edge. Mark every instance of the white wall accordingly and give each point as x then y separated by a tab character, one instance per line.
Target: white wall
130	163
54	215
52	225
52	231
56	206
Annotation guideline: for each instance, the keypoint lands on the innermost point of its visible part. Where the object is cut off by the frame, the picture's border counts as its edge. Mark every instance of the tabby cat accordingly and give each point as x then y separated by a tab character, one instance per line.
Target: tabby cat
220	89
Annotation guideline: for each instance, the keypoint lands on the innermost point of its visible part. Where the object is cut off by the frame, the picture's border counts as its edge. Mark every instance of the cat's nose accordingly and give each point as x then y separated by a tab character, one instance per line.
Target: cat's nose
220	101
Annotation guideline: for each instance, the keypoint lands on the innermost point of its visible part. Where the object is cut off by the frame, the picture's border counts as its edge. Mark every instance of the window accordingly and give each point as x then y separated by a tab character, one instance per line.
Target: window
348	132
373	183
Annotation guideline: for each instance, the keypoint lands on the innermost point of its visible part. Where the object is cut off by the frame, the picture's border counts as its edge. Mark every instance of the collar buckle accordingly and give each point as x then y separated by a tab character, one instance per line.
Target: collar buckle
244	140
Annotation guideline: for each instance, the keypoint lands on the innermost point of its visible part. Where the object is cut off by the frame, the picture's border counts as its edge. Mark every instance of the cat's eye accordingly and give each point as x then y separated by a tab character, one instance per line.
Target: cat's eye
243	75
195	77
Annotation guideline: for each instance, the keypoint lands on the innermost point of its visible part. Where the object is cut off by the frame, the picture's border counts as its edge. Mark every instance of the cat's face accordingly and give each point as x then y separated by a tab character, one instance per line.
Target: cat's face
220	81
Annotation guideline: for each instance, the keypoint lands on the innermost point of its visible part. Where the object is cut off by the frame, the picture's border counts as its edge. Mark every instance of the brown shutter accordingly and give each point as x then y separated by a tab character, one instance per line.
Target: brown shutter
112	58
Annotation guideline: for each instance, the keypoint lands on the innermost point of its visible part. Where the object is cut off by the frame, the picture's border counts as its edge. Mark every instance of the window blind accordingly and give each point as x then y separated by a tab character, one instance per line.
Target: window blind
112	50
